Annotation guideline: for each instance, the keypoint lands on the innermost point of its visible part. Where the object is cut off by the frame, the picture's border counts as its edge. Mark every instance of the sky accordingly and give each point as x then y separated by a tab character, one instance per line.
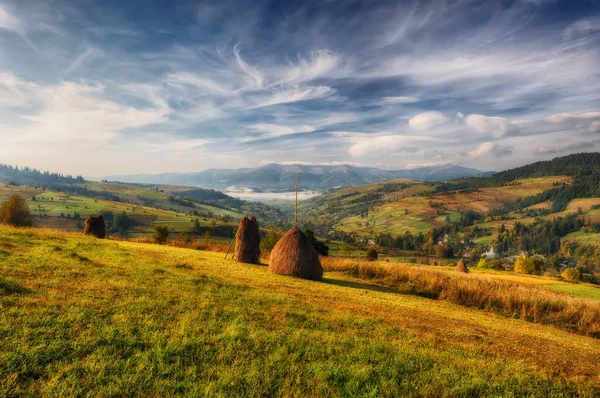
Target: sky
112	87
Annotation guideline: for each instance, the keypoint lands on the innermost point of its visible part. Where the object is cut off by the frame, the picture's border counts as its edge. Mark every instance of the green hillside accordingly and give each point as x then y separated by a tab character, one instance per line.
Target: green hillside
63	202
80	316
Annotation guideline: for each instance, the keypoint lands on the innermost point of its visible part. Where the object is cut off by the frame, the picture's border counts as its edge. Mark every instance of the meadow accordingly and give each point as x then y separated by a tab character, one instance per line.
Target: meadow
87	317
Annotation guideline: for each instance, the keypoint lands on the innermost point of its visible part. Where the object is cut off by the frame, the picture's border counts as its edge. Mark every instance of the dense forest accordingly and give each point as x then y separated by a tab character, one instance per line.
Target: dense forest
34	177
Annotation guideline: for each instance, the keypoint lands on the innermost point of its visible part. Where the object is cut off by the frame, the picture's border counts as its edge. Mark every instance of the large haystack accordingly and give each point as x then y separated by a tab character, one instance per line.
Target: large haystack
295	255
247	241
462	266
94	225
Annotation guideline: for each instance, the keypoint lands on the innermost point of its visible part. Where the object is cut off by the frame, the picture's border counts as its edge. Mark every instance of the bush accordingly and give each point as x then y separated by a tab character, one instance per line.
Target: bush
16	212
530	266
489	264
161	234
371	254
573	274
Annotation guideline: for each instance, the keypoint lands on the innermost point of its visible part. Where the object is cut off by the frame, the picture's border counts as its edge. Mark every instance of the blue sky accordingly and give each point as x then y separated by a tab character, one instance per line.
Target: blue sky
105	87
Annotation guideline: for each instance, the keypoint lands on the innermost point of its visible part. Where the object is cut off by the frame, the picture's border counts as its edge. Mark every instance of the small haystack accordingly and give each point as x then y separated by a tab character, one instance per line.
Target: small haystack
295	255
247	241
462	266
94	225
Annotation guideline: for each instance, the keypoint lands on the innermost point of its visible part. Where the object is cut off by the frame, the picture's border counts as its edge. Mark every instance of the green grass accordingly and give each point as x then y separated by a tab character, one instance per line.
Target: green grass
576	289
84	317
584	238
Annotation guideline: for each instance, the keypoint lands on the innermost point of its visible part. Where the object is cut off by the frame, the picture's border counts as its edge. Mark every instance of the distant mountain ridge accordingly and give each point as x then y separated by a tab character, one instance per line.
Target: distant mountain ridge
314	177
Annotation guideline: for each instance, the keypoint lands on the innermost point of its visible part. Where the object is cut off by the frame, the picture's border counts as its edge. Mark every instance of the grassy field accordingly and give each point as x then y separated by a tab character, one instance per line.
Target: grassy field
83	317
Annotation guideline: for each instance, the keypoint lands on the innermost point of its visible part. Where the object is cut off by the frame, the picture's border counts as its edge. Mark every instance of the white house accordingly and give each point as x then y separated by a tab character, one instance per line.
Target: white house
489	254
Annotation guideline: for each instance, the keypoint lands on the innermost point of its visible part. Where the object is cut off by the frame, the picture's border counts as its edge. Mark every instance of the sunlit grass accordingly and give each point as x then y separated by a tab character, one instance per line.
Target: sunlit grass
115	318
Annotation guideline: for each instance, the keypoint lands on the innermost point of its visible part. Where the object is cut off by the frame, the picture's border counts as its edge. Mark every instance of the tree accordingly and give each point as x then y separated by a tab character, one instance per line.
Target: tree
161	234
531	266
196	225
16	212
321	248
573	274
371	254
270	240
207	237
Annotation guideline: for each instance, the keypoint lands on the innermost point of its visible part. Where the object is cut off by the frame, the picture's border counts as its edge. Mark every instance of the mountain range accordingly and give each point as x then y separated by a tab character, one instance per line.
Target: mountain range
278	177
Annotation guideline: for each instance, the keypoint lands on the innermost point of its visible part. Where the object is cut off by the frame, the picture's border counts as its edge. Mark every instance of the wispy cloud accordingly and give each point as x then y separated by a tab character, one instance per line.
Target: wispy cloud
395	84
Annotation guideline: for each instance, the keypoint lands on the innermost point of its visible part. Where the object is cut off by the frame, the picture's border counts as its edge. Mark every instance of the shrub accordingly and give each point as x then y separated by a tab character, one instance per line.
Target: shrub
371	254
531	266
270	240
161	234
573	274
16	212
489	264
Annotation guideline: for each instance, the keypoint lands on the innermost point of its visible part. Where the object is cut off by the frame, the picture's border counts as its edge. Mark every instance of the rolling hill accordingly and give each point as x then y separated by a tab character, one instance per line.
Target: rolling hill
62	202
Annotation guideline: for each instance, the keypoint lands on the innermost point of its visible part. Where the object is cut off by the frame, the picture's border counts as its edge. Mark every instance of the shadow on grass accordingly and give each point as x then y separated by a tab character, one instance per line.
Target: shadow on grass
358	285
8	287
407	290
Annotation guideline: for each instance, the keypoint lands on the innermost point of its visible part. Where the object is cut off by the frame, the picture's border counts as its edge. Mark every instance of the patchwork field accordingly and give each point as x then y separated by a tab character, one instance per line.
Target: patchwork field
81	316
422	213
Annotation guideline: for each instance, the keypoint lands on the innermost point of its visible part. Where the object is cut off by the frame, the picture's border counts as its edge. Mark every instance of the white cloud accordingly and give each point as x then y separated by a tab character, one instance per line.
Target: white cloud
295	94
270	130
582	28
8	21
363	144
320	63
70	111
399	100
427	120
496	126
489	149
586	122
565	146
167	145
194	80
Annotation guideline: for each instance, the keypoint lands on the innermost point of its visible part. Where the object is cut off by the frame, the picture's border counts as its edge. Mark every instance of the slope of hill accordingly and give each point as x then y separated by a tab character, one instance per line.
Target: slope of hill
83	316
283	177
166	202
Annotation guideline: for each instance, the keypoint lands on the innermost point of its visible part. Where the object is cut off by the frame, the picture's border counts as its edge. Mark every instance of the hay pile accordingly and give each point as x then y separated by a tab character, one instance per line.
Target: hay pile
247	241
462	266
295	255
94	225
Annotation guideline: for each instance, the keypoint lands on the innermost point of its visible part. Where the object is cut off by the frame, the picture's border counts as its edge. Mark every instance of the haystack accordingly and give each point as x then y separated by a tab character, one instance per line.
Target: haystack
295	255
462	266
247	241
94	225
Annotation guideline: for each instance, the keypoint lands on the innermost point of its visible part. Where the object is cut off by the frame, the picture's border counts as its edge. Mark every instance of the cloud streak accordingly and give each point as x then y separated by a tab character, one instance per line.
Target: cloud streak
392	84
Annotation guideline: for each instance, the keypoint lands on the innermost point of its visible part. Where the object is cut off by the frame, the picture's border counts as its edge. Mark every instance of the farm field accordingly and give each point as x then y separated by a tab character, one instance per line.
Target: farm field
422	213
56	210
85	316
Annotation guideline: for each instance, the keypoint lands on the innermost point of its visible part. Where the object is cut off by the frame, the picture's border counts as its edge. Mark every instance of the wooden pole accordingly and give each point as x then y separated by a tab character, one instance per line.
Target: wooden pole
296	211
231	244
